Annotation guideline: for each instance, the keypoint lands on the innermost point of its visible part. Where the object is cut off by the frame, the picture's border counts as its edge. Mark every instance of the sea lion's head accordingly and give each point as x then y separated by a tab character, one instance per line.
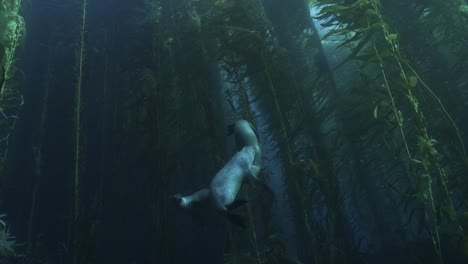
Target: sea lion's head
245	134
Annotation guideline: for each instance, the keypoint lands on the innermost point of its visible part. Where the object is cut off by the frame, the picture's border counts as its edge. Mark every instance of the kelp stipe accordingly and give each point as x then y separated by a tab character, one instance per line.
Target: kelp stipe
79	67
12	33
376	44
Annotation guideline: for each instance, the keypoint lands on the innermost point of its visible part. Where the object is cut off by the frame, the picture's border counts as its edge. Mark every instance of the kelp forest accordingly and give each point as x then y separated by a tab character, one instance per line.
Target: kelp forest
108	108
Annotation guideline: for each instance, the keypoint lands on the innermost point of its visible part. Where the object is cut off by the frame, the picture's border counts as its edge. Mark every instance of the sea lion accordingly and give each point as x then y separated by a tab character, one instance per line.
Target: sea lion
225	186
228	181
243	167
244	134
193	200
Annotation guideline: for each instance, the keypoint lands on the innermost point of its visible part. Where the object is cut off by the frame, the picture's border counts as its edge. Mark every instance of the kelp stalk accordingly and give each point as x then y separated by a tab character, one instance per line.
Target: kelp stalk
80	62
15	32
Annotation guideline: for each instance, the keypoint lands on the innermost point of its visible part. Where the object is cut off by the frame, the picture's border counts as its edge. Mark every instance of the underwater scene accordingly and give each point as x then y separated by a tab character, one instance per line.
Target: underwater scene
233	131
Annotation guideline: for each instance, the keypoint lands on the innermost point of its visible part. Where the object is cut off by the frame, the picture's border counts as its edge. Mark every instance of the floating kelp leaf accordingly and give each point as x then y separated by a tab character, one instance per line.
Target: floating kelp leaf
334	9
450	212
400	117
337	32
426	147
421	183
393	37
371	12
366	59
377	3
413	81
363	40
385	53
415	161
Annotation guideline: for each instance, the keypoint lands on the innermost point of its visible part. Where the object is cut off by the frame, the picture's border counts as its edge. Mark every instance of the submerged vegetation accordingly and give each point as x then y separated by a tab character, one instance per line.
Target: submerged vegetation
366	153
6	240
12	30
404	104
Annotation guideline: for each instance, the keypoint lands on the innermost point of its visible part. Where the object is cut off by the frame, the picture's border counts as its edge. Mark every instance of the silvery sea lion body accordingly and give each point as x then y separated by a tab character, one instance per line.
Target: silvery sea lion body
244	133
228	181
190	201
243	167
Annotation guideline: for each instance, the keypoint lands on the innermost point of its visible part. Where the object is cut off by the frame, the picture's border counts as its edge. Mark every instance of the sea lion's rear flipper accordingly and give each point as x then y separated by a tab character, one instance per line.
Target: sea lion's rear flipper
236	219
237	203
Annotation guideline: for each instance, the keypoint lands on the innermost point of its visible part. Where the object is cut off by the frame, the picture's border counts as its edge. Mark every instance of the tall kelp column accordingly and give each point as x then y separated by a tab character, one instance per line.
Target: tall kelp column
133	106
12	29
162	131
126	120
408	114
439	28
280	63
164	102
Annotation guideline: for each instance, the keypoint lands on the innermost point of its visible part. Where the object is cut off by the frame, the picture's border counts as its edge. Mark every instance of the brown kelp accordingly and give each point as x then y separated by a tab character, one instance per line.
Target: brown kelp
400	97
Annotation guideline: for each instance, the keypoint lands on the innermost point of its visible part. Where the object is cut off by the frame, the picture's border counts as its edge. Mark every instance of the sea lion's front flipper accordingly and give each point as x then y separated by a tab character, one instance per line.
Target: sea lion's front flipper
237	203
257	163
254	130
236	219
